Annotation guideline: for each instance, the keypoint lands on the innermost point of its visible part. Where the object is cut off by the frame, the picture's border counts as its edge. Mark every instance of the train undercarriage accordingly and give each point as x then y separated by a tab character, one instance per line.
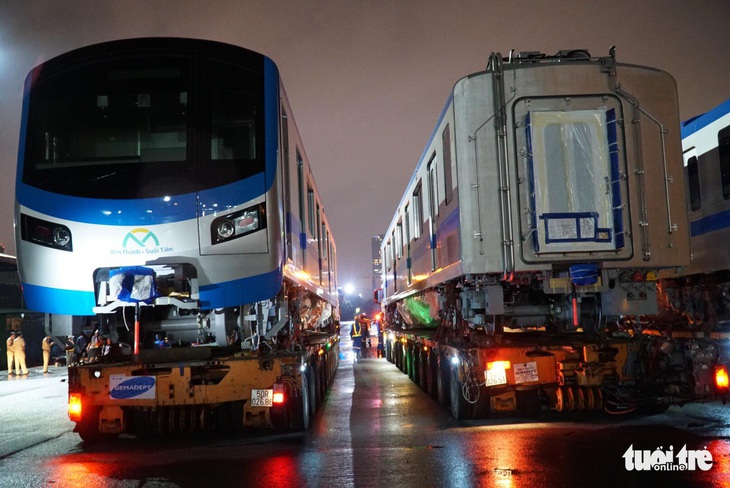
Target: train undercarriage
271	369
486	348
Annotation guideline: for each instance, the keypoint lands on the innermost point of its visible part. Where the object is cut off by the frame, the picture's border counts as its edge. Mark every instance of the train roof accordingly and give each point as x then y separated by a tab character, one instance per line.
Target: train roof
104	49
690	126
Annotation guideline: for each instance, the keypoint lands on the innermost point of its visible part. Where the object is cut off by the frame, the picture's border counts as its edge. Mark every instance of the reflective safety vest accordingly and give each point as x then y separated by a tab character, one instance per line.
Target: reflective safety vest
356	330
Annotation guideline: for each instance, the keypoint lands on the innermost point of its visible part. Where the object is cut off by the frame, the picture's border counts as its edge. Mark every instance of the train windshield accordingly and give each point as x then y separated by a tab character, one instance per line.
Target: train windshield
144	126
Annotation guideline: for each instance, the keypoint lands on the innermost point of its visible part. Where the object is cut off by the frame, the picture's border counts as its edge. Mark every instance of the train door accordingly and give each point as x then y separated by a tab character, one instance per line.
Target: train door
432	210
286	181
302	211
407	242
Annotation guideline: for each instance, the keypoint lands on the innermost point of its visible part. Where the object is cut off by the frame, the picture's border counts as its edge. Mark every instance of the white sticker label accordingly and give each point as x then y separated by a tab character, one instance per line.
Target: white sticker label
525	372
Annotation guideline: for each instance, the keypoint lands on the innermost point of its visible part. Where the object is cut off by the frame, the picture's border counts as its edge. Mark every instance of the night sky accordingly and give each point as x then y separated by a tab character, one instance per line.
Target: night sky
368	79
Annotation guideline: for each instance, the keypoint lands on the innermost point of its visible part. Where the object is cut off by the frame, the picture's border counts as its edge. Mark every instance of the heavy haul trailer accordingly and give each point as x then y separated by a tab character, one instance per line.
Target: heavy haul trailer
161	395
539	254
526	375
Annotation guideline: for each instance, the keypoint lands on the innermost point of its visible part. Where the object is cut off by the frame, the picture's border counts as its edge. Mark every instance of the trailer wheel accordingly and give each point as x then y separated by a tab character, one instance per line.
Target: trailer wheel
423	370
442	382
459	406
432	375
237	422
299	407
310	391
223	419
322	384
415	365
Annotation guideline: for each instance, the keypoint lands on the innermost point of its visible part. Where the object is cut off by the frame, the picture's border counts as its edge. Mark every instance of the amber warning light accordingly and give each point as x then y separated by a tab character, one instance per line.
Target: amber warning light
721	378
74	407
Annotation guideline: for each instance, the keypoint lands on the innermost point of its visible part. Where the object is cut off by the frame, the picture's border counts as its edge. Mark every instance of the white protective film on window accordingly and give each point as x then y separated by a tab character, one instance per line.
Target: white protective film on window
571	181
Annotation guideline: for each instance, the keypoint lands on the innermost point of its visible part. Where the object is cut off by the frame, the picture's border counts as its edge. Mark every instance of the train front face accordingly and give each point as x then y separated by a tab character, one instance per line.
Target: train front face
149	152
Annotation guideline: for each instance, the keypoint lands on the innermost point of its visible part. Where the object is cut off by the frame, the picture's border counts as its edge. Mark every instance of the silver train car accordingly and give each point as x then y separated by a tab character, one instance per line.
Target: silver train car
550	196
163	180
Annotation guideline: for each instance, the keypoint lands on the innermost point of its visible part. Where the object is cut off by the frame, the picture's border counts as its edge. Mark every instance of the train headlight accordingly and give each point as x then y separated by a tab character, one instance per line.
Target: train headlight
225	229
61	236
44	233
238	224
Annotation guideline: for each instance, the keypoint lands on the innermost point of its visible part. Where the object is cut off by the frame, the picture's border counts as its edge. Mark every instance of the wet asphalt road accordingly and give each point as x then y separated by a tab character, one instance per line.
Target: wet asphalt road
375	429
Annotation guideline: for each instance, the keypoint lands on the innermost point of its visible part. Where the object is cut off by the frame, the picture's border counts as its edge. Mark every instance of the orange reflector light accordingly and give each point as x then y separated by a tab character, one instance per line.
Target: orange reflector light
278	398
74	407
496	373
721	378
499	365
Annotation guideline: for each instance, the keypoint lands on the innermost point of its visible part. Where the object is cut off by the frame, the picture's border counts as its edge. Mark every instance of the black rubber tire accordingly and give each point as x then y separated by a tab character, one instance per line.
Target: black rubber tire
299	407
460	408
443	378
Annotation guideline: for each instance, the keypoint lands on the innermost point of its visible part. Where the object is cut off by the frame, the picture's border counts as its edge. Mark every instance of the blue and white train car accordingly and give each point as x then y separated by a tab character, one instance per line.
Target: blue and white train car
706	147
170	173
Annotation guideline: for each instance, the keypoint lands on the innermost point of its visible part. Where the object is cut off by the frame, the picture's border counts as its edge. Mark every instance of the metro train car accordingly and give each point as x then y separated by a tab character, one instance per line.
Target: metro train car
176	155
706	148
700	291
527	264
535	175
162	184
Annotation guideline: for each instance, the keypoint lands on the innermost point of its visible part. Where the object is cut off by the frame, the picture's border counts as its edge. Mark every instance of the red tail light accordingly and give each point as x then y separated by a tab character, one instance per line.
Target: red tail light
279	396
74	407
721	378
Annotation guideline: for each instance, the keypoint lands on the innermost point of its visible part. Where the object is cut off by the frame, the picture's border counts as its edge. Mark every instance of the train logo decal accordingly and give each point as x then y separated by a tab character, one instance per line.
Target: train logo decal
122	387
141	241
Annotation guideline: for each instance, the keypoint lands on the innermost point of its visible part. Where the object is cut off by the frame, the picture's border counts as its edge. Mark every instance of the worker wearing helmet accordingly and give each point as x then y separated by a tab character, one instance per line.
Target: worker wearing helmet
356	336
364	324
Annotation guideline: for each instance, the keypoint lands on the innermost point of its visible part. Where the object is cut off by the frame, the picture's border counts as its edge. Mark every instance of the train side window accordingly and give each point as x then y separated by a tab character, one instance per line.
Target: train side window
446	142
417	212
433	198
693	181
723	148
399	240
388	255
310	207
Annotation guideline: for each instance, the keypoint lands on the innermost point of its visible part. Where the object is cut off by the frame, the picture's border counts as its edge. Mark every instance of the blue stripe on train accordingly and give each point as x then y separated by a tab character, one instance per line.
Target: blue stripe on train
710	223
229	294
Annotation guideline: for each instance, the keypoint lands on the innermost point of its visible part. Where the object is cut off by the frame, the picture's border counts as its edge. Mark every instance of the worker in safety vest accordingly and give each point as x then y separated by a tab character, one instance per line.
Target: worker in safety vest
364	325
11	352
356	336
